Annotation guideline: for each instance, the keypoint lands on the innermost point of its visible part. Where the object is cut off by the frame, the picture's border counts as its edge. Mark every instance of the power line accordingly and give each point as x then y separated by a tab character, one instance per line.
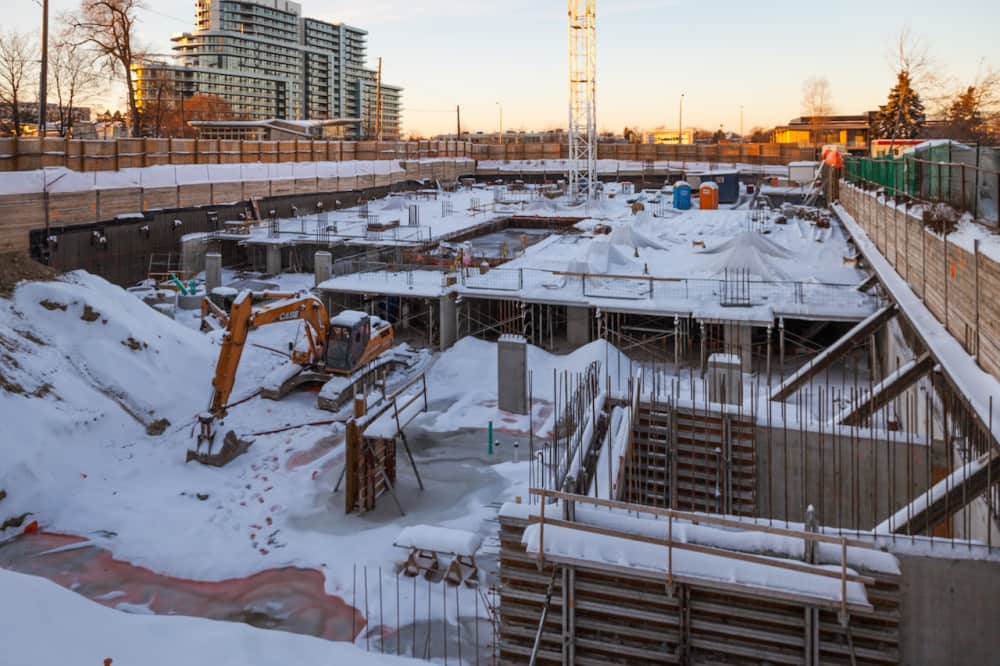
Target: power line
153	11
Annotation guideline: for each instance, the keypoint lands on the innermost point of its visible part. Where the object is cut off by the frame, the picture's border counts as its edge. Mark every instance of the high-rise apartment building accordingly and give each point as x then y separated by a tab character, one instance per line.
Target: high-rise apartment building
268	61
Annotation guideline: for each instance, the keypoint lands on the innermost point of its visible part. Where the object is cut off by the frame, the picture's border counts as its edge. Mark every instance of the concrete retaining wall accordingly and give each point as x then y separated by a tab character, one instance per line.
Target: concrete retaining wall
948	611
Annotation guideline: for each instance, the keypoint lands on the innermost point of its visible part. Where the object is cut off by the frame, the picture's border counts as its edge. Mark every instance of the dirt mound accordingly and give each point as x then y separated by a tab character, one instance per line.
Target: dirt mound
17	266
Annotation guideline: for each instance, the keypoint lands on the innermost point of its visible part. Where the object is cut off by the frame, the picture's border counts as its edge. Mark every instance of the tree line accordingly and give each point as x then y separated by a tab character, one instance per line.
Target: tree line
924	102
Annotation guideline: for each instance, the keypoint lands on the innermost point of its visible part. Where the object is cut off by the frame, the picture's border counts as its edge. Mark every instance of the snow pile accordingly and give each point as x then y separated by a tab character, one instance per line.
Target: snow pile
462	385
607	257
747	251
84	364
53	625
632	236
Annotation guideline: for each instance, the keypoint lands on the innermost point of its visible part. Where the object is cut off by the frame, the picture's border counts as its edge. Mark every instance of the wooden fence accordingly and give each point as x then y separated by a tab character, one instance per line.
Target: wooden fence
957	283
26	154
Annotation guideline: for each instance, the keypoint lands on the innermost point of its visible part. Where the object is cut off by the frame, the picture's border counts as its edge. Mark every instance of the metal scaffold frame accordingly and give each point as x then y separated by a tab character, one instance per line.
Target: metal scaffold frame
582	95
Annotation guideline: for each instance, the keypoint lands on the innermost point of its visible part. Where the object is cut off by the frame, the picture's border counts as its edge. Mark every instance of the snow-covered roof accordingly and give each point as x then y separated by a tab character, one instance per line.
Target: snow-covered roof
348	318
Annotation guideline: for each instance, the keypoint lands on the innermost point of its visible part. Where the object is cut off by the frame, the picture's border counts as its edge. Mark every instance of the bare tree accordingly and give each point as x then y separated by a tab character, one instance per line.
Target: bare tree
108	27
18	54
817	104
74	77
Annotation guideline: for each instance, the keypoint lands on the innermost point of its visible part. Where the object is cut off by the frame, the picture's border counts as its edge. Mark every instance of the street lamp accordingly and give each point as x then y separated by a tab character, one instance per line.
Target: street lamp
500	135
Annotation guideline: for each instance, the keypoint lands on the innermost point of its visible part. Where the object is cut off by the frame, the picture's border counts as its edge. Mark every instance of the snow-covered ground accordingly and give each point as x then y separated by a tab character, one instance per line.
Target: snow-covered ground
99	398
46	624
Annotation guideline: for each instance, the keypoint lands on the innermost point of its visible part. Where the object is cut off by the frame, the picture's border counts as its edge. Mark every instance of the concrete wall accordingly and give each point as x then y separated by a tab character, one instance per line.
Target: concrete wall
949	611
854	478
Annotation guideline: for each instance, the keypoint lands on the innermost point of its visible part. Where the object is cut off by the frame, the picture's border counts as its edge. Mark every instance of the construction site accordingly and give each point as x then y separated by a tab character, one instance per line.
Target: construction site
375	404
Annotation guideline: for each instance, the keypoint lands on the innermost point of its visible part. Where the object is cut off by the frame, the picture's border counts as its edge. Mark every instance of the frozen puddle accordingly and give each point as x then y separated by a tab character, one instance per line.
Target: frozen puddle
289	599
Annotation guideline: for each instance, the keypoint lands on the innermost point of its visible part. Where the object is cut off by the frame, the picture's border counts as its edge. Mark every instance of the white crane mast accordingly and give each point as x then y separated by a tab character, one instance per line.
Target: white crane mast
582	96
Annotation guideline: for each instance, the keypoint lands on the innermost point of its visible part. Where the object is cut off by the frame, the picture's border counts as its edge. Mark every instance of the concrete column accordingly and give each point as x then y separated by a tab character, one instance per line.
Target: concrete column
193	255
725	379
273	262
448	323
738	337
213	271
577	325
323	262
512	371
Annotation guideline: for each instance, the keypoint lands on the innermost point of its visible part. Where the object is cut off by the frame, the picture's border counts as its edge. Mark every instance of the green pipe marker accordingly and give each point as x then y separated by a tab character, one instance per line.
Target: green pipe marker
180	285
489	450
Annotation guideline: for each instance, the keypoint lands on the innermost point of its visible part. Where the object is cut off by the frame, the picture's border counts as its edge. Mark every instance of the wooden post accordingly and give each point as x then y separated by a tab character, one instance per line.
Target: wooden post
944	249
975	249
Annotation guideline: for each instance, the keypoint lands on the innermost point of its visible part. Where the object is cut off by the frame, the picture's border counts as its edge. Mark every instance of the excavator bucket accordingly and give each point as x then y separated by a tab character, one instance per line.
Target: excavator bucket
232	447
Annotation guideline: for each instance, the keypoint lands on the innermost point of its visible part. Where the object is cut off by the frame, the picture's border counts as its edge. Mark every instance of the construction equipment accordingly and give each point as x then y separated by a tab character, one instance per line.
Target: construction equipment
348	350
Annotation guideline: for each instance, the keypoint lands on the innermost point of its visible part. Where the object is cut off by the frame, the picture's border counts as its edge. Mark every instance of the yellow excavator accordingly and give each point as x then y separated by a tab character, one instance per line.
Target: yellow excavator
341	347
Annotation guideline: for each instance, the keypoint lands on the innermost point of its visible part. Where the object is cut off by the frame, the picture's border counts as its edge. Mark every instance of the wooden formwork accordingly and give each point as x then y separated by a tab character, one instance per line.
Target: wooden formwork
612	615
693	460
370	467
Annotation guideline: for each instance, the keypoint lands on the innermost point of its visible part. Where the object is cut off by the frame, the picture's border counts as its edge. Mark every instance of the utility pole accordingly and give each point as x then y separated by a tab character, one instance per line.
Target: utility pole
43	76
500	135
680	122
458	118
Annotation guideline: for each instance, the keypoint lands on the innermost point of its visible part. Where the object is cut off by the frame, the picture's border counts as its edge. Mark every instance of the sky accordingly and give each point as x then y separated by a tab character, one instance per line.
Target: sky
721	55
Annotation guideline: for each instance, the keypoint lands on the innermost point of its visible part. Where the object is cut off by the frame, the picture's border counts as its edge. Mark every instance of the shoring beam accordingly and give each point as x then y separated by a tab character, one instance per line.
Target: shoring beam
833	353
886	391
946	498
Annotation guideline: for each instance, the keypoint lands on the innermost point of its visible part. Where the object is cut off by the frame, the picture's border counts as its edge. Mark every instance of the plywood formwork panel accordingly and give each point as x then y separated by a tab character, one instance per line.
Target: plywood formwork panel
19	215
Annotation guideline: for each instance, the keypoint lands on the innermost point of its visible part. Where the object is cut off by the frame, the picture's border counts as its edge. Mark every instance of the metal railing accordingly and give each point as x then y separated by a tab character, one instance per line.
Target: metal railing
645	288
707	519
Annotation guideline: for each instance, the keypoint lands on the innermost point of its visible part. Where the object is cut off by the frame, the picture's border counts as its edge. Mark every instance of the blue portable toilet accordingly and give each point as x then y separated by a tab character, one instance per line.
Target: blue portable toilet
682	195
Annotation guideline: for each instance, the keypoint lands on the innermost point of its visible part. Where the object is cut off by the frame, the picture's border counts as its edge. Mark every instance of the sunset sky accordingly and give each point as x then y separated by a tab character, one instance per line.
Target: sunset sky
721	55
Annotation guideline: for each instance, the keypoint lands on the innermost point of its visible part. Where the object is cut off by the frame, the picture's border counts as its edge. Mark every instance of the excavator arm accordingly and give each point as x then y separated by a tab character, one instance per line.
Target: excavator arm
243	319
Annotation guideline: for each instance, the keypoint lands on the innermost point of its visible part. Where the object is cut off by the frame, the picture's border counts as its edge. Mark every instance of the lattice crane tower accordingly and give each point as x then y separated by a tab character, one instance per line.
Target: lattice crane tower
582	95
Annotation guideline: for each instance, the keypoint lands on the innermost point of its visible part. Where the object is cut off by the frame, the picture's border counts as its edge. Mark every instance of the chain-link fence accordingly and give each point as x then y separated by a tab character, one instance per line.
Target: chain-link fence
966	177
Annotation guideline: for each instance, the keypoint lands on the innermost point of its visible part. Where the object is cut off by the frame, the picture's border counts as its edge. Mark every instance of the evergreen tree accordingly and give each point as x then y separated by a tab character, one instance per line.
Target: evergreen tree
965	119
902	117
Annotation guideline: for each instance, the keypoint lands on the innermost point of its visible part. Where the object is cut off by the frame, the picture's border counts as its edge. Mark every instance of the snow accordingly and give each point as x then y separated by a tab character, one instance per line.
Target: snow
932	495
348	318
60	179
748	540
47	624
577	544
979	387
439	539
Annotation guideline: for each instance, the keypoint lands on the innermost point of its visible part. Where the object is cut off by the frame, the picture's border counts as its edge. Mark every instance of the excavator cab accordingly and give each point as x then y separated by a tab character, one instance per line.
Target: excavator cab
350	332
